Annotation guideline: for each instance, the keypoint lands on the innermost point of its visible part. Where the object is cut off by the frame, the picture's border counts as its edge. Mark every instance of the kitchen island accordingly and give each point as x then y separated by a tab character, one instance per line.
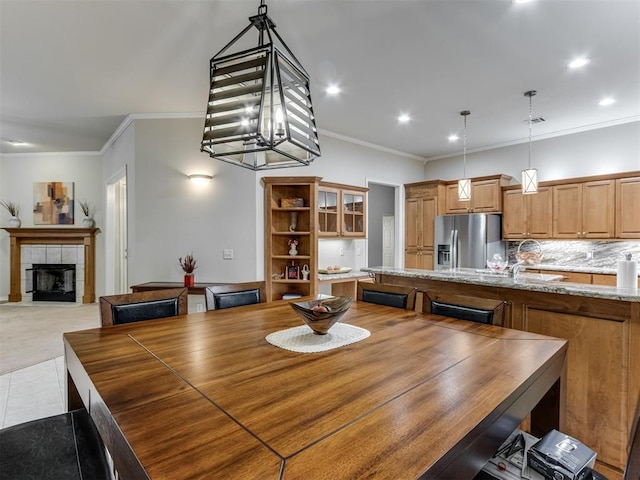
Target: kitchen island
602	325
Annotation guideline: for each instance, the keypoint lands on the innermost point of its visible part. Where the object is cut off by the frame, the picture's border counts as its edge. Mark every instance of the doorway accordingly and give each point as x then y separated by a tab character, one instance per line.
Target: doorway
117	280
382	225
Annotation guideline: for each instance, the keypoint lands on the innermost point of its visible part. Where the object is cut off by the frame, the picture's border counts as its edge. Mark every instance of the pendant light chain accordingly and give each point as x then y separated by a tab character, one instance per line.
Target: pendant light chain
464	114
531	94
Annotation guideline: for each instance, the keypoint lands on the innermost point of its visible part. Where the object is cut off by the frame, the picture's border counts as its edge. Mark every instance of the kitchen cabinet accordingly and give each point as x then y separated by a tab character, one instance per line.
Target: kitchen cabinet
341	210
290	216
527	216
422	202
628	207
584	210
486	195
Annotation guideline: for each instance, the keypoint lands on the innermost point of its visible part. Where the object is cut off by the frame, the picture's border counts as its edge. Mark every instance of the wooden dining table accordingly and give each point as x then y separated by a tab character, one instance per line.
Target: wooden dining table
206	396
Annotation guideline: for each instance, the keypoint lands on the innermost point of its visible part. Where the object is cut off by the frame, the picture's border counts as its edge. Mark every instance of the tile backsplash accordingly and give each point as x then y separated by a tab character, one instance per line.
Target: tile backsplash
599	254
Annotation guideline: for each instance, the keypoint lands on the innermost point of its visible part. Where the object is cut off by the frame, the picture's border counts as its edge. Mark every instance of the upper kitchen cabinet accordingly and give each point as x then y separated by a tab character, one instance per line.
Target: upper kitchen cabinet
486	195
584	209
423	201
527	216
342	210
628	207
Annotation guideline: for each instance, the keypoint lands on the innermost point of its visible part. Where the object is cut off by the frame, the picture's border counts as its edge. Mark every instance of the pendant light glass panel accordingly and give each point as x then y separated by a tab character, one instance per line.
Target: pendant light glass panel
464	189
530	175
259	114
464	184
529	181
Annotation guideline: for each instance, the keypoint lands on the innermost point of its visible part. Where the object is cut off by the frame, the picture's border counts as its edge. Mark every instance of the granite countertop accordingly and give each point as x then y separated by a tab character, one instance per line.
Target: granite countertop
584	268
337	276
471	276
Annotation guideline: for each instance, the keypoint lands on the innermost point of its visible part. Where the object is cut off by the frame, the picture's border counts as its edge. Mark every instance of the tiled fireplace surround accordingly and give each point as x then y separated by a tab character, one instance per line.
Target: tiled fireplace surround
51	255
52	245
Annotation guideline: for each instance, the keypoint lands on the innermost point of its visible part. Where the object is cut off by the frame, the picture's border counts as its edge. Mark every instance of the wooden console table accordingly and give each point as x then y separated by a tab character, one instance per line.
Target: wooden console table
197	289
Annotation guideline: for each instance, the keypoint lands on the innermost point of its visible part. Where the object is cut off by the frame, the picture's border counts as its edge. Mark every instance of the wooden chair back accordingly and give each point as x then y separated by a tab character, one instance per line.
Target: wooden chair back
136	307
475	309
231	295
384	294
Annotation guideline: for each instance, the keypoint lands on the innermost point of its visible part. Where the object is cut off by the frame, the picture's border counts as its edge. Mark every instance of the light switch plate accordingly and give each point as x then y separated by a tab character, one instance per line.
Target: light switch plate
227	254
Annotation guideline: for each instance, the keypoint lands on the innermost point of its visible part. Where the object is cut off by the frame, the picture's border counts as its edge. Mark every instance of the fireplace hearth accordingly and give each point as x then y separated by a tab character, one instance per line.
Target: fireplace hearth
54	283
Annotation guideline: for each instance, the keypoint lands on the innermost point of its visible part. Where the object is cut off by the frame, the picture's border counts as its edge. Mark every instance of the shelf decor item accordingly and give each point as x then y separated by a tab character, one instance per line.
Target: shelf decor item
188	265
293	243
259	113
88	221
14	210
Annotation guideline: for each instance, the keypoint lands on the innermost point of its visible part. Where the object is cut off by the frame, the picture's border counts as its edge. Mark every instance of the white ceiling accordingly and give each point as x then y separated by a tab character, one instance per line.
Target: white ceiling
72	70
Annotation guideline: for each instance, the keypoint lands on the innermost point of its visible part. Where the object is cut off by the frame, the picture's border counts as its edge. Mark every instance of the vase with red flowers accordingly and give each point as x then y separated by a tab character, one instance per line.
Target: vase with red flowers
188	264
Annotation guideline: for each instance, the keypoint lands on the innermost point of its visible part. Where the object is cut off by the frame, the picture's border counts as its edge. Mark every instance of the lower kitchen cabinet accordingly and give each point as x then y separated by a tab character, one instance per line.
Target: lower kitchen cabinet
421	259
597	353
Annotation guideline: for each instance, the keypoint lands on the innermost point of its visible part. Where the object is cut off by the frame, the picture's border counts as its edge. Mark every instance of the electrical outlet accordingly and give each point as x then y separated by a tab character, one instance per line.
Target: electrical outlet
200	307
341	252
358	251
227	254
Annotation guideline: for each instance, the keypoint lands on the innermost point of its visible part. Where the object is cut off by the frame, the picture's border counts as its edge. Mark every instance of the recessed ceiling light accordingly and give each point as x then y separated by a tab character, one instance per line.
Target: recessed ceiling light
453	138
578	62
606	101
521	1
17	143
333	90
404	118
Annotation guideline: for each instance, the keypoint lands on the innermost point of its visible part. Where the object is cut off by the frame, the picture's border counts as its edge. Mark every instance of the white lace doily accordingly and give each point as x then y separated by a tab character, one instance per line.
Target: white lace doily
302	339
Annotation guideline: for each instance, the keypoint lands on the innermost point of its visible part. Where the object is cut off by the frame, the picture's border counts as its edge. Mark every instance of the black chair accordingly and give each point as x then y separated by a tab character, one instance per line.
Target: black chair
65	446
135	307
474	309
390	295
231	295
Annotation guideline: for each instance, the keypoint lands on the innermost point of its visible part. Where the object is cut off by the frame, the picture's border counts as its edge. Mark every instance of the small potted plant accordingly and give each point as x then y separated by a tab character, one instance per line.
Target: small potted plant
13	209
188	264
88	221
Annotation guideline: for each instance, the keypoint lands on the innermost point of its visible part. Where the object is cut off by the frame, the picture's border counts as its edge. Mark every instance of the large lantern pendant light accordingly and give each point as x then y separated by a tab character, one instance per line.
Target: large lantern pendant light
464	184
259	113
530	175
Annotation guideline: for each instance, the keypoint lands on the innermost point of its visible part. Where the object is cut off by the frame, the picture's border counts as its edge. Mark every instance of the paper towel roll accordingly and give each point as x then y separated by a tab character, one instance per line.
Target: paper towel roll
627	276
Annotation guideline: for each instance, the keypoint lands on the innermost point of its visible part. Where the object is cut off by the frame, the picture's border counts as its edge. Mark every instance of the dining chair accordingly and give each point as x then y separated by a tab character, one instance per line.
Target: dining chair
136	307
475	309
231	295
385	294
65	446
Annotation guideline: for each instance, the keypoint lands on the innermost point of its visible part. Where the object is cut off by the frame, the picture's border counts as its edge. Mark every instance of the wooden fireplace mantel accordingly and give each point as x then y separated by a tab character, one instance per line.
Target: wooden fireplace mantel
53	236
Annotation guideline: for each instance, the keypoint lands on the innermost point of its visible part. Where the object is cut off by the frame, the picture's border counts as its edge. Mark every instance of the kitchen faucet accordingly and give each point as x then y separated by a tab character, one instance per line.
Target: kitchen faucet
514	270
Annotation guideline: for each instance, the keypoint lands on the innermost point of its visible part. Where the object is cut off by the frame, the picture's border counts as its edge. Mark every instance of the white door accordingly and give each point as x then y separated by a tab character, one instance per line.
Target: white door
116	245
388	242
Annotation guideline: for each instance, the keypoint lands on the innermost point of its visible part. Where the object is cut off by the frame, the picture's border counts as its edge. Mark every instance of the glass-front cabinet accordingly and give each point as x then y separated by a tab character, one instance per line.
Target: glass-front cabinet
342	210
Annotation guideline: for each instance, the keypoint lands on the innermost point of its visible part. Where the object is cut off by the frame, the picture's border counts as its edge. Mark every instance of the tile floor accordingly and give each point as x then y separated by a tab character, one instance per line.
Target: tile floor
31	393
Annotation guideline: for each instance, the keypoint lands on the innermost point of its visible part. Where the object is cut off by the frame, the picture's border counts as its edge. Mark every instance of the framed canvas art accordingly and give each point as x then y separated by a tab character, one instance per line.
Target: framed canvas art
53	203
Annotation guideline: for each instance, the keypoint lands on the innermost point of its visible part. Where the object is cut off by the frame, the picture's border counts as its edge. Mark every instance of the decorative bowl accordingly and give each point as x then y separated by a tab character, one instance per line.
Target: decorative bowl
320	315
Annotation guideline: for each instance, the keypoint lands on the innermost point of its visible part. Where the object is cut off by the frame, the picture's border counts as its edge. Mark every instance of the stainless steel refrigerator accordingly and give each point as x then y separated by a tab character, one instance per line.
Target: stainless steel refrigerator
467	241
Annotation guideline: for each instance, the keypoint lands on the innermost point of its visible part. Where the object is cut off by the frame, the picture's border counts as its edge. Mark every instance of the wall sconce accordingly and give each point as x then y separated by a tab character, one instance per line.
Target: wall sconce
200	179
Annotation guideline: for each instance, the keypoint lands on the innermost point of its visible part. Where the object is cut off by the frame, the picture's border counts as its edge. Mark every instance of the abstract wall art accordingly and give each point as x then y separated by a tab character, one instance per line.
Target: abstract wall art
53	203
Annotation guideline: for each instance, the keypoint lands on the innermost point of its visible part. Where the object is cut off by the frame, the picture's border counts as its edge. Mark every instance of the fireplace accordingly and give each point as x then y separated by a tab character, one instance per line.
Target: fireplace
53	283
58	237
